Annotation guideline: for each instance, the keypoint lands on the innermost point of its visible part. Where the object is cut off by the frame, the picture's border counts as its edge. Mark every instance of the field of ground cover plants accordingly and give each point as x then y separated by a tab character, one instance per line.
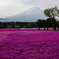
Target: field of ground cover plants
29	44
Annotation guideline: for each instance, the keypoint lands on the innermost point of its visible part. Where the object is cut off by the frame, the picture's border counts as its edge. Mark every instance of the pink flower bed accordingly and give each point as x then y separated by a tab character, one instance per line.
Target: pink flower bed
29	44
25	29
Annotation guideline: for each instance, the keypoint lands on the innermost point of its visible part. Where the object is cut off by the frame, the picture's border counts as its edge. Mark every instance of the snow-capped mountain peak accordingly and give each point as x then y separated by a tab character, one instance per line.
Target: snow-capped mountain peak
34	9
30	15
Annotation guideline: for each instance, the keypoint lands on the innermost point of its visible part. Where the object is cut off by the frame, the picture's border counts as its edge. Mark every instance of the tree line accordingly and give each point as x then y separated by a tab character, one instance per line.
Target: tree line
41	23
18	25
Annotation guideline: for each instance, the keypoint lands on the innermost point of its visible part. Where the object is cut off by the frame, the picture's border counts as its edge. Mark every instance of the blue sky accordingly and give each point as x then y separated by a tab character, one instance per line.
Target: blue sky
13	7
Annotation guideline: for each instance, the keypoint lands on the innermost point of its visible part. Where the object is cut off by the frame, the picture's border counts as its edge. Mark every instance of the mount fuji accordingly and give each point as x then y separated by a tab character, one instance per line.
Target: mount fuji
31	15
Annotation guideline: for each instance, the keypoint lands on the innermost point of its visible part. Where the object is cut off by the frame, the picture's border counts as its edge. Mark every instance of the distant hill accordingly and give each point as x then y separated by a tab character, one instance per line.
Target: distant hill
3	19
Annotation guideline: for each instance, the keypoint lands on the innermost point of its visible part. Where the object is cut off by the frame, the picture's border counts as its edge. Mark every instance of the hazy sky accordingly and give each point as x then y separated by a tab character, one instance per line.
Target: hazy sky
13	7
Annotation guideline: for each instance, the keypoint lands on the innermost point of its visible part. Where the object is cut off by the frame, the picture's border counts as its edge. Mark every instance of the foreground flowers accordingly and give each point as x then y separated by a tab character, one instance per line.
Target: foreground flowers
29	44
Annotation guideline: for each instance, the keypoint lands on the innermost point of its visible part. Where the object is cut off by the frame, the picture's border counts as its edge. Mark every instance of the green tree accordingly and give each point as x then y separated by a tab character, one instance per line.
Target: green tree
51	13
39	24
13	24
54	23
44	23
48	23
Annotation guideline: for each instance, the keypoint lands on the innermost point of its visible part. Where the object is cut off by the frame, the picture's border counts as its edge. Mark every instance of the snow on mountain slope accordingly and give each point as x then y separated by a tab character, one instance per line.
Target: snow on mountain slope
31	15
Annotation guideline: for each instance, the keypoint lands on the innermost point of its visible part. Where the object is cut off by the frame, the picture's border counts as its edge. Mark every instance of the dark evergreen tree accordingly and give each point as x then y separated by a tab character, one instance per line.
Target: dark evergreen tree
39	24
48	23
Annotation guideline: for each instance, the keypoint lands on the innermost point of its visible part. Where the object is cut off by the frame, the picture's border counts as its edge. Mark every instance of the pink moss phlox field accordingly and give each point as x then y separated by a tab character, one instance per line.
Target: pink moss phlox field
29	44
25	29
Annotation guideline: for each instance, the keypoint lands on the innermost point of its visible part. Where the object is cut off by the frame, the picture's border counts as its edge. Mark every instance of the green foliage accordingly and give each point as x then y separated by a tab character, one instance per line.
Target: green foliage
54	23
39	23
1	26
57	24
51	12
26	24
48	23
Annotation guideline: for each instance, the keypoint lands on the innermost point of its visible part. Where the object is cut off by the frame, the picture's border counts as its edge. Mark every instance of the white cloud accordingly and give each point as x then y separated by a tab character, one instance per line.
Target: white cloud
13	7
